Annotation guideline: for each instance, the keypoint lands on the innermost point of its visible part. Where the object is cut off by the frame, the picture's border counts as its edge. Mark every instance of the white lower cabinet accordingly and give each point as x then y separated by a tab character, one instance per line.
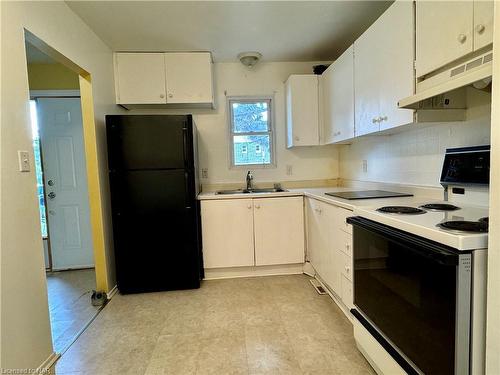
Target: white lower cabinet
227	233
329	246
279	230
252	232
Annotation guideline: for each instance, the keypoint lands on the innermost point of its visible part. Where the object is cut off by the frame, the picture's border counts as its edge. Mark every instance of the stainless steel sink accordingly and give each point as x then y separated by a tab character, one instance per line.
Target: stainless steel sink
251	191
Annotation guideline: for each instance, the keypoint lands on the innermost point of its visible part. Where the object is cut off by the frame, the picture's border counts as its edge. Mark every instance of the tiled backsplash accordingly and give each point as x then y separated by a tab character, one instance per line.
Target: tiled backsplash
414	156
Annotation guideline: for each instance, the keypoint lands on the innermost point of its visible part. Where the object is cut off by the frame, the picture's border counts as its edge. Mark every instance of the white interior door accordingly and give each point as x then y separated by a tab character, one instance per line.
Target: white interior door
61	137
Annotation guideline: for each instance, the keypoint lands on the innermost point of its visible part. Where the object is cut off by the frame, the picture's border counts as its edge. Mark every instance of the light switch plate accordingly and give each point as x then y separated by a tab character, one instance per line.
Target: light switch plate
24	161
365	166
204	173
289	170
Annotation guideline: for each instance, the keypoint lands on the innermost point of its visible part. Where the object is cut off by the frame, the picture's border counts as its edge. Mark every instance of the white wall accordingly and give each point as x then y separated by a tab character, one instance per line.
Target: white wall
493	296
415	156
308	163
25	331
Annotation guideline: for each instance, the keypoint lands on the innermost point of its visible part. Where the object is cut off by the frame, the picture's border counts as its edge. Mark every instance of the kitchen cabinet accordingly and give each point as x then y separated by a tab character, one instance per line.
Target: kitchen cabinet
279	230
383	70
449	30
483	24
329	246
170	79
252	232
140	78
302	110
227	233
337	85
189	77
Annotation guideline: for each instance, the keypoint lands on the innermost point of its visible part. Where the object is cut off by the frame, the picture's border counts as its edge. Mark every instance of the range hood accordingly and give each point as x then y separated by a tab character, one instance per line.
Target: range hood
475	70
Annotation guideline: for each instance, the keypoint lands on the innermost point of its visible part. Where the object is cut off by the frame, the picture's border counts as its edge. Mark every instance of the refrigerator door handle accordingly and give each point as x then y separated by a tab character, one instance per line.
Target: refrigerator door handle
186	181
185	145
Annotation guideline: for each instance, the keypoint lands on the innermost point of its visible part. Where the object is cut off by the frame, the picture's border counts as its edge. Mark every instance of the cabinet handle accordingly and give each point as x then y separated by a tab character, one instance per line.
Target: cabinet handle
347	269
170	95
249	206
383	118
462	38
162	96
297	138
480	29
257	206
374	120
347	247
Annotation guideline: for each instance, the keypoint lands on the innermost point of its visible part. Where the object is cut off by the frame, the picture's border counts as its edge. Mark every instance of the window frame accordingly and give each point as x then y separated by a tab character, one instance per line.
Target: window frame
270	132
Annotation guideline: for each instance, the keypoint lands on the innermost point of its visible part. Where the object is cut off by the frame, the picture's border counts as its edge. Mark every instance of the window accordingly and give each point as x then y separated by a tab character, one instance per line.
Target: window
251	132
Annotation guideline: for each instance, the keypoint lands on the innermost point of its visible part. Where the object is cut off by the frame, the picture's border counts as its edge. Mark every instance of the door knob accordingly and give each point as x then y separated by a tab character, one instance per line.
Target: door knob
51	195
162	96
170	95
462	38
480	29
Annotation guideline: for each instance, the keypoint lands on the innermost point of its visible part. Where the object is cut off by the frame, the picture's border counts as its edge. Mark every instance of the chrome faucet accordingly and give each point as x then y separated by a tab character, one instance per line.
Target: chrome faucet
249	180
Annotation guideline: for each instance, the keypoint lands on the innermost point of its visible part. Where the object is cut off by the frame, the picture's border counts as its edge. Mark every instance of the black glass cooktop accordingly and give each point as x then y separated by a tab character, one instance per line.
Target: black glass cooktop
367	194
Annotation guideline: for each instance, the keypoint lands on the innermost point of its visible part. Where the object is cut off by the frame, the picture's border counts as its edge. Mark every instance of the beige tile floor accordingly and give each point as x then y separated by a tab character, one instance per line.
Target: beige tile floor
69	304
267	325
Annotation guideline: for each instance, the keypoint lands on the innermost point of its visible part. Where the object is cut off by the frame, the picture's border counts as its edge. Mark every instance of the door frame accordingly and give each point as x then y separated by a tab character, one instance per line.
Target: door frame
94	183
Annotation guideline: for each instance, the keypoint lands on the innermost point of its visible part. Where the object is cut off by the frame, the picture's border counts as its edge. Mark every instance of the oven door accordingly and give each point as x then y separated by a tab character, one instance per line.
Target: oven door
413	295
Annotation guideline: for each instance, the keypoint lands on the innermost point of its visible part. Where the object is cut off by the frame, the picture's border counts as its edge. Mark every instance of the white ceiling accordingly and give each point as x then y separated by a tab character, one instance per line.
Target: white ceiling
280	30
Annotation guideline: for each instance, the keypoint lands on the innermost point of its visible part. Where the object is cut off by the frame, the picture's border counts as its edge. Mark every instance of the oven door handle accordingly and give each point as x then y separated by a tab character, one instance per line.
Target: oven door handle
440	253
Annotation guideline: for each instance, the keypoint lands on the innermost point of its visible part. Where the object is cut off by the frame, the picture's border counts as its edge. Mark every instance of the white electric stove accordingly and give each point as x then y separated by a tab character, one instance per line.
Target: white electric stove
420	275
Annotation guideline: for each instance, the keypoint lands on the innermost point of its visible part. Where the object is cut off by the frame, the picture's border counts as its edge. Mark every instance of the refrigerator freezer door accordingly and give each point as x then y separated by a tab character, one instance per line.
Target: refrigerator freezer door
155	231
149	142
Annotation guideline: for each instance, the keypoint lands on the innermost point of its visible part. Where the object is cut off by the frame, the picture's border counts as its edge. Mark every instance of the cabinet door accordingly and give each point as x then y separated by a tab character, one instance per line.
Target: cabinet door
279	230
396	79
444	33
483	23
140	78
316	240
367	75
338	98
302	110
189	77
227	233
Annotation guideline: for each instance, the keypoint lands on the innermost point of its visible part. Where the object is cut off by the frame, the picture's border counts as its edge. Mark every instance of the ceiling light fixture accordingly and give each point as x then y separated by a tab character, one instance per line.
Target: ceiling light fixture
249	59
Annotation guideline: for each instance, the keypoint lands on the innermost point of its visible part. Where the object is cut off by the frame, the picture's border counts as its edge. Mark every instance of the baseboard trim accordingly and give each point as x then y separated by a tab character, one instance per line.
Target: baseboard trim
75	268
112	292
46	366
235	272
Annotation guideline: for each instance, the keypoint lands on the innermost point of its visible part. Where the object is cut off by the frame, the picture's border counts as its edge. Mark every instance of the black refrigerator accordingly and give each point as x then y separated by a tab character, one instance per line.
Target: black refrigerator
156	216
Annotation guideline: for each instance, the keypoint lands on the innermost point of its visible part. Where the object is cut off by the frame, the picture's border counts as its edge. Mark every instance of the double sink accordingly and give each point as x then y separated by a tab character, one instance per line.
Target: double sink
252	191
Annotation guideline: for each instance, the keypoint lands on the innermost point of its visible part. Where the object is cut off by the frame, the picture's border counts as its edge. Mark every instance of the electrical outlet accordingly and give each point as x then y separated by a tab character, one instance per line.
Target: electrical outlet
204	172
24	161
289	170
365	166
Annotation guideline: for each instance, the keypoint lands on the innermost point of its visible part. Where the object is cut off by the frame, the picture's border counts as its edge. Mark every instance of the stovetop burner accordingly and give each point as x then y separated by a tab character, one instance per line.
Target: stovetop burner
402	210
465	226
440	207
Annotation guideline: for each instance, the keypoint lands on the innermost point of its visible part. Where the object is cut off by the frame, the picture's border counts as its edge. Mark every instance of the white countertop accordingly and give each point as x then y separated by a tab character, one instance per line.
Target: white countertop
319	194
424	225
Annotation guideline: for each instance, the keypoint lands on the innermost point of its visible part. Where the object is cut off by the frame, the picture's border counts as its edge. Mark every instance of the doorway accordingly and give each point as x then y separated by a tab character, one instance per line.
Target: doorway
62	189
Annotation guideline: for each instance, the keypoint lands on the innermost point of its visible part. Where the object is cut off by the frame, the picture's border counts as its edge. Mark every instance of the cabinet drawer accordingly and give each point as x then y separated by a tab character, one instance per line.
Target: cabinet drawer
347	266
345	243
342	215
347	296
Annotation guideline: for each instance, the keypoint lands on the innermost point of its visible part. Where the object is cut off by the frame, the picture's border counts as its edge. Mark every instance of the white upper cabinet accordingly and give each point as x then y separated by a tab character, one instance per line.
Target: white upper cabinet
170	78
483	23
279	230
383	70
189	77
449	30
140	78
302	110
337	88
